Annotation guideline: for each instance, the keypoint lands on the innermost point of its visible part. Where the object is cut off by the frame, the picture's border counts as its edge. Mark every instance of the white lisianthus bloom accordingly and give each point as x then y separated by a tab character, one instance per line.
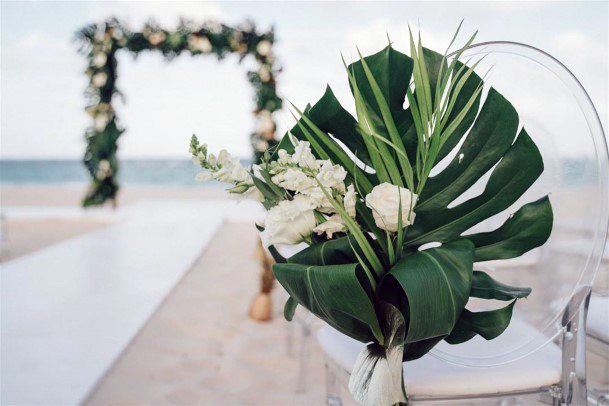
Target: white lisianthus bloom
349	200
384	200
290	222
332	176
303	156
333	224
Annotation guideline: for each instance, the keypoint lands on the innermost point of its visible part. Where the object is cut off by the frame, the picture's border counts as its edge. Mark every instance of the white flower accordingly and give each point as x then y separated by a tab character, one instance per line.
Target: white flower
104	169
332	176
384	200
254	194
264	47
264	73
224	158
303	156
266	124
293	179
101	121
198	43
99	59
284	157
349	200
99	79
319	199
290	222
156	38
204	176
333	224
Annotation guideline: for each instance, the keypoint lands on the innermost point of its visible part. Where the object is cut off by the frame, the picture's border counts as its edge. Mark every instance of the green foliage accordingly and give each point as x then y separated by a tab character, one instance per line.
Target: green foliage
100	42
430	286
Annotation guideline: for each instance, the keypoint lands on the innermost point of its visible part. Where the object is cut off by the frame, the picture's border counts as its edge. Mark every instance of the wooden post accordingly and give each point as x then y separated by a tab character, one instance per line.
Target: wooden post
261	308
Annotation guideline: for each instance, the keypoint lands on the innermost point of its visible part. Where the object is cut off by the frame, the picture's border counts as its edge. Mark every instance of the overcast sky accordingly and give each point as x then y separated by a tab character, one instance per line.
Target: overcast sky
42	79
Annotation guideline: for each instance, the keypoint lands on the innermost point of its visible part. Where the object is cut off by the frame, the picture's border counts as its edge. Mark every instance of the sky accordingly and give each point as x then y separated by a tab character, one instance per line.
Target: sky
42	77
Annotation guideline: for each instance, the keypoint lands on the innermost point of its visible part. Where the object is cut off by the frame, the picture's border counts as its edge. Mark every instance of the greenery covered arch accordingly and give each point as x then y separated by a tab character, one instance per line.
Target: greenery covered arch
101	42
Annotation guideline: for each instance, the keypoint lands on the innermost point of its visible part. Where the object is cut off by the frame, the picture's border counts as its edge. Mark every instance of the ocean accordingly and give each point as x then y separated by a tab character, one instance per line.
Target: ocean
181	172
176	172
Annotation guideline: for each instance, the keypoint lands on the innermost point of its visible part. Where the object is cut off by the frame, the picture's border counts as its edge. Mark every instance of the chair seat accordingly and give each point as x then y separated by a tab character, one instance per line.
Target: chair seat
598	318
432	377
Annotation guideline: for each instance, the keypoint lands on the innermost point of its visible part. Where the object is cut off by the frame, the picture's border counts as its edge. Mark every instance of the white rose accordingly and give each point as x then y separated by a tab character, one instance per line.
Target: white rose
349	200
99	59
264	47
290	222
332	176
333	224
303	156
101	121
384	200
264	73
99	79
199	43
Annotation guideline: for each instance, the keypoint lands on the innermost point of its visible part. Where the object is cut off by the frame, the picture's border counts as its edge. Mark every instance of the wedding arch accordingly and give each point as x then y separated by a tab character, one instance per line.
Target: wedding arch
100	43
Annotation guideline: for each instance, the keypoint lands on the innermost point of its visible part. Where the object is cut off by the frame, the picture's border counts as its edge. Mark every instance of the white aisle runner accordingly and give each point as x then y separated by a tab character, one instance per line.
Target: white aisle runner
70	309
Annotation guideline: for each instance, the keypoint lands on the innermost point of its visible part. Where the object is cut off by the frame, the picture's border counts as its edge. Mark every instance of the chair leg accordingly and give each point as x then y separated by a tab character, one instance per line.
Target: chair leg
573	380
332	385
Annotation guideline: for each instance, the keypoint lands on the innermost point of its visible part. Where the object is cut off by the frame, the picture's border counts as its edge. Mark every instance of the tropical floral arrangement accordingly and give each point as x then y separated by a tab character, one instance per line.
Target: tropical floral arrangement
100	44
389	261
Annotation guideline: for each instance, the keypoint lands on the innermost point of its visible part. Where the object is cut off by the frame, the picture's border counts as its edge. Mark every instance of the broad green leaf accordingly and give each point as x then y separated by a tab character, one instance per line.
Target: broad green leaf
489	324
431	289
331	252
514	174
338	294
290	308
485	287
528	228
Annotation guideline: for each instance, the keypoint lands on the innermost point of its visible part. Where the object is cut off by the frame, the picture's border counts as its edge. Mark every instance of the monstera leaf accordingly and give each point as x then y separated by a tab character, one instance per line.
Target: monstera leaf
338	294
430	287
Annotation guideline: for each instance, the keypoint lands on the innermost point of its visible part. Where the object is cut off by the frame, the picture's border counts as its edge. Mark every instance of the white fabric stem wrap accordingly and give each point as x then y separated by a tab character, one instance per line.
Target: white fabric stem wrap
376	378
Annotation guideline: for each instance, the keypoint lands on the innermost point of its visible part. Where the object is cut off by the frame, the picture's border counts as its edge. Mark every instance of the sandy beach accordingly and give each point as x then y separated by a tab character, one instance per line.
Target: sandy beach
190	351
199	347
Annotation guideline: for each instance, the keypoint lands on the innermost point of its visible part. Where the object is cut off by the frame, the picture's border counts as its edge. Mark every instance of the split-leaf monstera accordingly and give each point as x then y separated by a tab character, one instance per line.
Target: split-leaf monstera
429	286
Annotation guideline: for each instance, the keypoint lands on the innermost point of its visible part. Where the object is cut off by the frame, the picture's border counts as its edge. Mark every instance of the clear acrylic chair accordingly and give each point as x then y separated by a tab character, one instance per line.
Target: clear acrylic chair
541	357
